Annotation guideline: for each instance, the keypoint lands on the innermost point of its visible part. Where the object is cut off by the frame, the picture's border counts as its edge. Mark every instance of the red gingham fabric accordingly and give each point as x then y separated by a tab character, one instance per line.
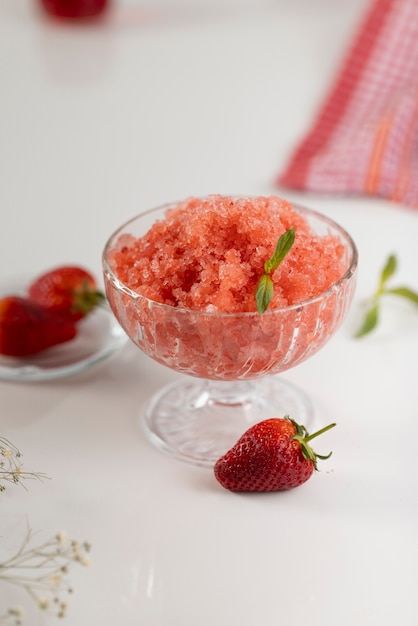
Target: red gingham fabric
365	139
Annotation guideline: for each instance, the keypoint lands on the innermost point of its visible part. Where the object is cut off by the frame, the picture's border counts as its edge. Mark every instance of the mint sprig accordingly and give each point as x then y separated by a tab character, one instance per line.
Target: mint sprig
371	319
265	288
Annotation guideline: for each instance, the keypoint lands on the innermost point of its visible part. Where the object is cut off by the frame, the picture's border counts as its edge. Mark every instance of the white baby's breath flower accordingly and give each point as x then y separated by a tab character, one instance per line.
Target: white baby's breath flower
17	611
42	572
43	604
84	560
56	579
13	617
62	537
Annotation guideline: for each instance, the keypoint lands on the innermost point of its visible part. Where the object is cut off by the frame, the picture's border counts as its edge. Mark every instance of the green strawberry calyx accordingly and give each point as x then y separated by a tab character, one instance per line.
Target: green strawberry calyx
303	437
86	299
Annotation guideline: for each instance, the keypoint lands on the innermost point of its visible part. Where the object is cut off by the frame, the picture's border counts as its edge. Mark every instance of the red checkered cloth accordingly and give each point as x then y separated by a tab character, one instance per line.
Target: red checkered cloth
365	139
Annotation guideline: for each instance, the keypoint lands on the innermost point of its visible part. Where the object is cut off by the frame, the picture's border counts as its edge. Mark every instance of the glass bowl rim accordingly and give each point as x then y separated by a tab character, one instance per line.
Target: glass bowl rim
349	273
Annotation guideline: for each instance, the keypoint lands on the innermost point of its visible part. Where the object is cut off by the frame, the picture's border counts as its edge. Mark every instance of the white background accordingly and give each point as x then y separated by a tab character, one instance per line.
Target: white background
160	101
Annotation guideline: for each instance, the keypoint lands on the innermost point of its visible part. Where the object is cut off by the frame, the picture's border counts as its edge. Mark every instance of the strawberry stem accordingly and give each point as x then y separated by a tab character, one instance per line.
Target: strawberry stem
319	432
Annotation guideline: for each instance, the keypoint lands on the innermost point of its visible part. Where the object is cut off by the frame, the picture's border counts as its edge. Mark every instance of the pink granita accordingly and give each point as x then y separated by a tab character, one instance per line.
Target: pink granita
182	279
208	254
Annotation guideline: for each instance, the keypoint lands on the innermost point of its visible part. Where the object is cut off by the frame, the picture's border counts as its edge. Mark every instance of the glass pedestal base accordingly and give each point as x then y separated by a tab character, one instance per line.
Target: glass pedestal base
197	421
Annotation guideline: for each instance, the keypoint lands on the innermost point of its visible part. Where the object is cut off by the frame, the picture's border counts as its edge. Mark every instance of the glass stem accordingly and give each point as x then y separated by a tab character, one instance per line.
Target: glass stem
231	393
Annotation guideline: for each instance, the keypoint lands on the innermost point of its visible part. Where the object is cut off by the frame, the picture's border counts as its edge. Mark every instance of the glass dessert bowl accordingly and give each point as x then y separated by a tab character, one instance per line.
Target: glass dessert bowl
230	358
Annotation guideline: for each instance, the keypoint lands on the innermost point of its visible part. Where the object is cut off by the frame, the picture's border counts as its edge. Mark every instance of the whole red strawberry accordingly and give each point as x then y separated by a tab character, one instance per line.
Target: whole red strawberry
272	455
75	8
70	291
26	328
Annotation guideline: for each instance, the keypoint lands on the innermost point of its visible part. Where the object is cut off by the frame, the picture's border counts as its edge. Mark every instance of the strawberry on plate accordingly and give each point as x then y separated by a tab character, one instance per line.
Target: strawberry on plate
70	291
27	328
273	455
75	8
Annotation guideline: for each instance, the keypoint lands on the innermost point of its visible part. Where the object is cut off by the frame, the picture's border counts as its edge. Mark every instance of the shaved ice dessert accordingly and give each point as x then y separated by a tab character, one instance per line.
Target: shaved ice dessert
208	255
181	280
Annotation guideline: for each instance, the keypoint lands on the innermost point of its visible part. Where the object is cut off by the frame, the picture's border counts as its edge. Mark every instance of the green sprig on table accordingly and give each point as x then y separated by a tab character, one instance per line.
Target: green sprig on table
371	319
265	288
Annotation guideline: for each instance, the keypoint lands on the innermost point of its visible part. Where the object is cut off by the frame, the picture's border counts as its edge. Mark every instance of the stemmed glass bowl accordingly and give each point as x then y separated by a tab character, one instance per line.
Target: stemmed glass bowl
230	360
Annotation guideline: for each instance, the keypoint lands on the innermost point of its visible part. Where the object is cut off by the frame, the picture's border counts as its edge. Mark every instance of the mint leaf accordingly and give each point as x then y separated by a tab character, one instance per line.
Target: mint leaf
264	292
283	246
404	292
388	270
265	287
372	316
370	321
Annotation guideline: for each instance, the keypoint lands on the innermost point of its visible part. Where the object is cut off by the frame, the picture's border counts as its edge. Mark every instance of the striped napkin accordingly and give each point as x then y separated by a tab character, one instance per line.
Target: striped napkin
365	138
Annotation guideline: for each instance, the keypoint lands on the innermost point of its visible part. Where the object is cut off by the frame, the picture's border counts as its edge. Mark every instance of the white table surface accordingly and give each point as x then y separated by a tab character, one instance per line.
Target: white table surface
160	101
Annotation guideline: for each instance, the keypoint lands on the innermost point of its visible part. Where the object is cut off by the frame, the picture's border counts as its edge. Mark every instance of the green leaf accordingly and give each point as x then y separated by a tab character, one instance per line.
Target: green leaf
264	293
284	243
389	269
265	288
404	292
370	321
323	457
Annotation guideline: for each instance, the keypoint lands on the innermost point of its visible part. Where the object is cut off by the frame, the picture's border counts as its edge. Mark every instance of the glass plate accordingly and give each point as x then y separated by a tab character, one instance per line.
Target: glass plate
99	336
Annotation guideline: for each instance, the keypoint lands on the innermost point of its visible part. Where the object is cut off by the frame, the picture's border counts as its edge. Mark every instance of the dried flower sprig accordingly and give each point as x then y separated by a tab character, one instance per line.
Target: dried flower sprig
11	466
42	572
372	315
